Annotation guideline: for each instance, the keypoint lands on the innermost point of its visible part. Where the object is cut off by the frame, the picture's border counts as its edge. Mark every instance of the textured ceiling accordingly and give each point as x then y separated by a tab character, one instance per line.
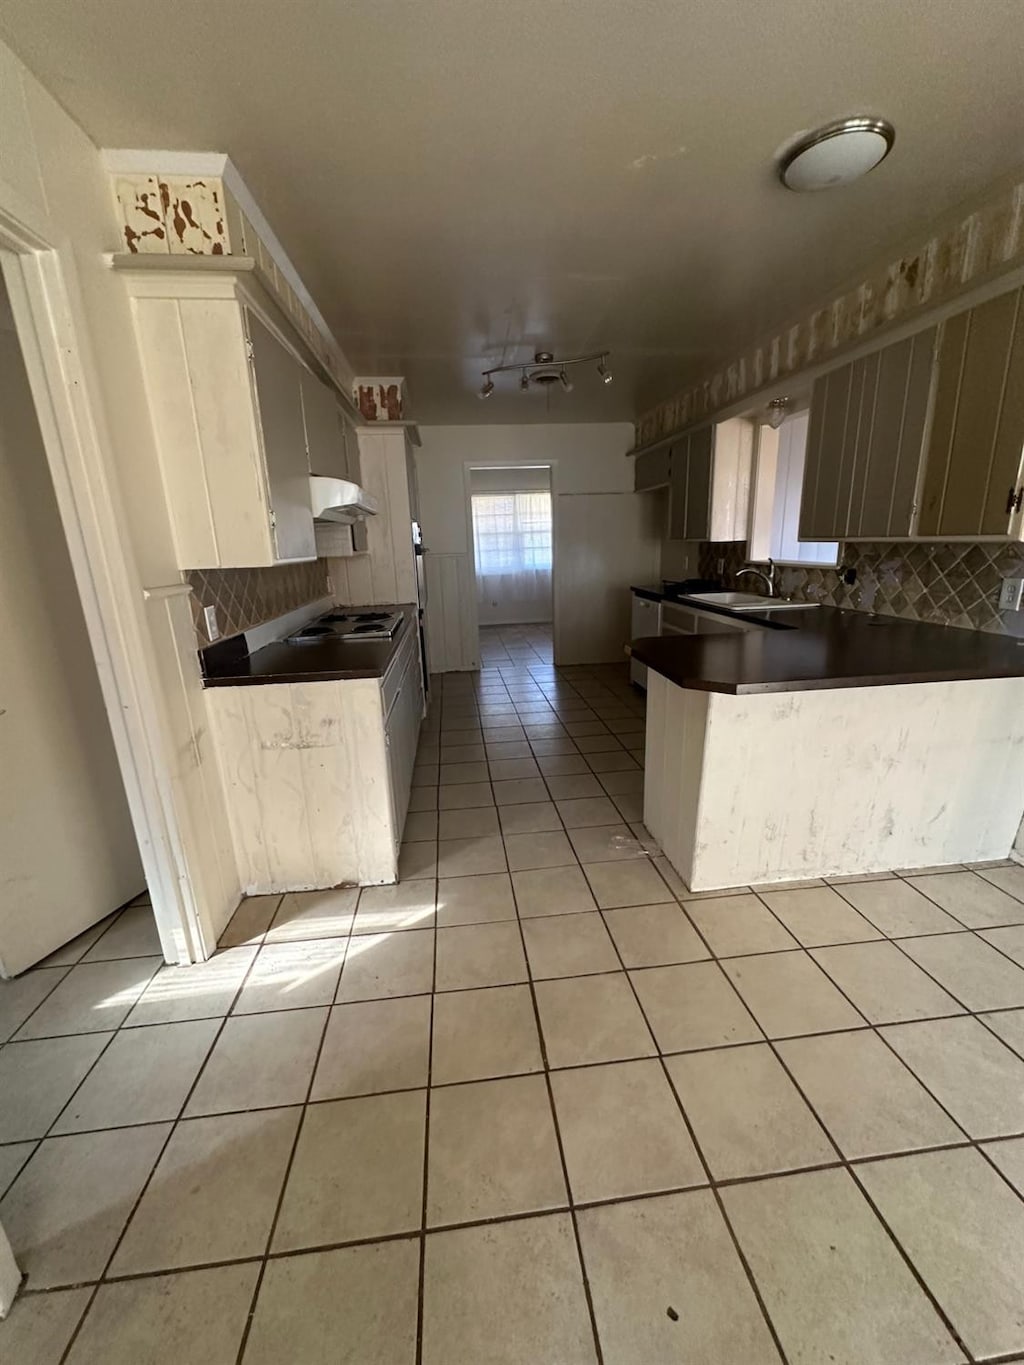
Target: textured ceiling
459	182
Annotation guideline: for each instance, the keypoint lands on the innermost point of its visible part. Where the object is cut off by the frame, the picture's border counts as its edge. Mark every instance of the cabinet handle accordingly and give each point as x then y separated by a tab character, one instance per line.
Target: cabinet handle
1009	500
1019	498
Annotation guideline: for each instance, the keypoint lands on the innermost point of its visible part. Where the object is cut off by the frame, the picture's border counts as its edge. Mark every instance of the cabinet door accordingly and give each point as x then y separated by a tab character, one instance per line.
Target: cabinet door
278	378
402	729
679	464
324	443
646	618
974	454
697	521
651	470
823	464
902	406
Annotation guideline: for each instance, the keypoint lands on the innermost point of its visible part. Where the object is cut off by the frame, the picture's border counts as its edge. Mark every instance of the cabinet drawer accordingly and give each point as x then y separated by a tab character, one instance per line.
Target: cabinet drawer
393	678
678	619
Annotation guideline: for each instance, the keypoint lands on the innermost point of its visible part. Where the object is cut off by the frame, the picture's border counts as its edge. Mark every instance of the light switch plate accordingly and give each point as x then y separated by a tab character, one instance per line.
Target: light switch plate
1010	594
210	622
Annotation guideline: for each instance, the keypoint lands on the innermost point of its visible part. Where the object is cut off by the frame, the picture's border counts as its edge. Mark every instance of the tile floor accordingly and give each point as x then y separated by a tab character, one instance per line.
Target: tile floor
536	1103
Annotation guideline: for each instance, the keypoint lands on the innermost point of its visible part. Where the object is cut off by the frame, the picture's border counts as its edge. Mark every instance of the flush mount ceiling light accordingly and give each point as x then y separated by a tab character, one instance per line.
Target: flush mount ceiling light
778	409
545	371
836	154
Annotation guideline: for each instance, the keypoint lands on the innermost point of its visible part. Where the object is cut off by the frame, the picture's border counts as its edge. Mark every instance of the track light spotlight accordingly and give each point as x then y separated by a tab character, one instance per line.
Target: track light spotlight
524	381
604	371
565	381
486	388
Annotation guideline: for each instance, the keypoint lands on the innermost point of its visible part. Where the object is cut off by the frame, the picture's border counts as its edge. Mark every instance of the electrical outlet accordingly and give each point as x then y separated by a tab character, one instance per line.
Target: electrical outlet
720	562
1010	594
210	622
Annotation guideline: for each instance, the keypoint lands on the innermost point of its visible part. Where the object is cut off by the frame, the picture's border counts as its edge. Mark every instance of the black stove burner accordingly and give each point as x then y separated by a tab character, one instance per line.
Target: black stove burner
317	630
362	630
370	615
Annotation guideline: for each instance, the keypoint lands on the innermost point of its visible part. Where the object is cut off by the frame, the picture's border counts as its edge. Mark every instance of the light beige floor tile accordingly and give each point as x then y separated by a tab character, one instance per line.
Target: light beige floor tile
970	1072
374	1045
493	1151
12	1159
133	934
585	811
611	761
205	990
606	843
479	1034
465	857
1009	1025
669	875
1009	878
475	900
466	796
94	997
1008	1155
355	1306
423	798
552	891
818	915
524	1275
796	884
65	1211
883	983
532	817
693	1006
420	827
479	955
475	822
464	753
583	786
417	860
537	850
260	1060
866	1098
630	882
963	1229
898	909
425	775
834	1285
143	1077
213	1194
547	748
675	1252
624	783
568	945
972	899
503	769
357	1172
453	774
739	924
569	764
591	1019
295	975
789	994
630	805
387	909
74	950
970	969
520	790
622	1131
516	748
250	921
379	965
1009	940
202	1312
19	997
39	1326
686	895
654	935
38	1078
747	1114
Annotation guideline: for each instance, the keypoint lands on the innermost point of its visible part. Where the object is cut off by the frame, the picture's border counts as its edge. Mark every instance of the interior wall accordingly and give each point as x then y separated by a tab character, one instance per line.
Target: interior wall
67	846
52	180
513	599
587	459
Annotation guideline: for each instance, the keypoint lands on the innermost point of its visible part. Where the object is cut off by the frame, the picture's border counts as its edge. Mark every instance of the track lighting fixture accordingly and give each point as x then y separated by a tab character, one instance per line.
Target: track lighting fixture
544	371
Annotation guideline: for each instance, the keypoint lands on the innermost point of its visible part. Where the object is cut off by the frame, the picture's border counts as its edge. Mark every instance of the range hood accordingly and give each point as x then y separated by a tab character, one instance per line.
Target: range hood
339	500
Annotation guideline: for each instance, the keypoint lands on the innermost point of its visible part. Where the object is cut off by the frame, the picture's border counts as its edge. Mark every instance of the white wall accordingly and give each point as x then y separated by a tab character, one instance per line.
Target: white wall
586	459
67	847
52	182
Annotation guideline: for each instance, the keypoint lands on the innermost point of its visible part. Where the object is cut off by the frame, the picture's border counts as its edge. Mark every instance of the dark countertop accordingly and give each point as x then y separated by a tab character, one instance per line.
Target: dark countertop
332	660
651	593
828	647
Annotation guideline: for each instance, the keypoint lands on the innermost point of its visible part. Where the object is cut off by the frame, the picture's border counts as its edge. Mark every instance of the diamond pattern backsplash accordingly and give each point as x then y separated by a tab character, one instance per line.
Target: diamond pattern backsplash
247	597
945	583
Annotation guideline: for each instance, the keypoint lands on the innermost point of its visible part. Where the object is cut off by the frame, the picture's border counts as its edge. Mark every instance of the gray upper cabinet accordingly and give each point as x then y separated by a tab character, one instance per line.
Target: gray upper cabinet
972	484
689	503
651	470
865	443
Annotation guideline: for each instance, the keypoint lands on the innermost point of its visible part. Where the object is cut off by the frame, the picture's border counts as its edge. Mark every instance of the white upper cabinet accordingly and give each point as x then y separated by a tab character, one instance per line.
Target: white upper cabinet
325	429
232	405
709	482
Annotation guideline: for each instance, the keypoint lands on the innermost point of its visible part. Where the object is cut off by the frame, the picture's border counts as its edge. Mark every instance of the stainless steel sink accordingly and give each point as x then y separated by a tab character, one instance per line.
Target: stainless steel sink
747	601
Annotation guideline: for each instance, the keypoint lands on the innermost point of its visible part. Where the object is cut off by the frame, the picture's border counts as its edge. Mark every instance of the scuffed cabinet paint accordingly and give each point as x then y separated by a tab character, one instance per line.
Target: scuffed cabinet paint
172	215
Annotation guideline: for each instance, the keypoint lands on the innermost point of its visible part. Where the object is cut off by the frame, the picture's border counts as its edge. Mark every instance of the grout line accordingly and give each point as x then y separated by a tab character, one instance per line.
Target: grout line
422	1270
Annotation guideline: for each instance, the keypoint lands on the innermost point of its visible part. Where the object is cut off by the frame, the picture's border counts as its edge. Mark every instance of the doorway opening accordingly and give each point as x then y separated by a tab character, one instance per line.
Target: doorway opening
67	843
513	557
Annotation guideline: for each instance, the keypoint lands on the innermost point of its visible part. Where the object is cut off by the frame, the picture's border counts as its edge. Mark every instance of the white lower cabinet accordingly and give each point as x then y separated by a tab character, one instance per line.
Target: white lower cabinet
644	621
318	775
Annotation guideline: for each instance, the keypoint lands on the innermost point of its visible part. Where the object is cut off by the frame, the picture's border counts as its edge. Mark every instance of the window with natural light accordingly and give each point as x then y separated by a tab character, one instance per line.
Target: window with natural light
512	532
775	506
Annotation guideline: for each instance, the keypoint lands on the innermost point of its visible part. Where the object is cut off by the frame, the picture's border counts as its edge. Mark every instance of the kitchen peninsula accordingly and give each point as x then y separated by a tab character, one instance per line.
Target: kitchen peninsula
834	744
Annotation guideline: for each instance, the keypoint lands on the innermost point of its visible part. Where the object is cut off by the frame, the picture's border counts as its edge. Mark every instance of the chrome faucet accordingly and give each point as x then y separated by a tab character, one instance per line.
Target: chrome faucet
768	579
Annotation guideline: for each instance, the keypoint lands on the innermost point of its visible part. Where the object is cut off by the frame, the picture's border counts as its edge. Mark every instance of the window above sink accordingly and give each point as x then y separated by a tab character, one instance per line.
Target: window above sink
775	501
